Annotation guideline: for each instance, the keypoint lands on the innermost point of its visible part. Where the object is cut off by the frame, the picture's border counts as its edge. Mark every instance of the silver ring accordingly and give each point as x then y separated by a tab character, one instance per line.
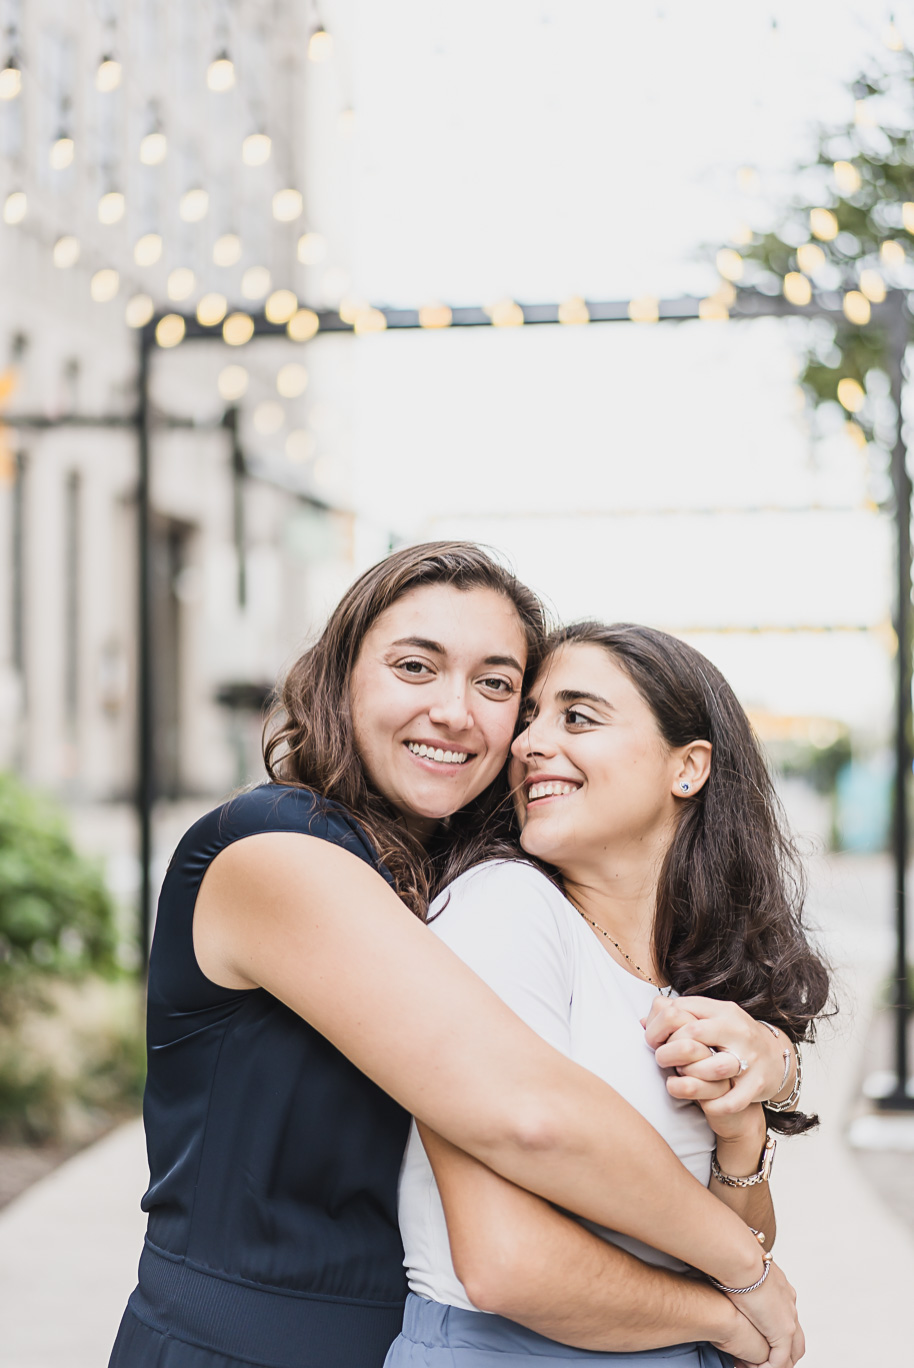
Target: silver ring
743	1063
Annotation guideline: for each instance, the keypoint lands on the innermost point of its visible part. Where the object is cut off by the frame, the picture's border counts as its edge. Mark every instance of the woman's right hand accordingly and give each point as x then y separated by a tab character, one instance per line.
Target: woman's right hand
772	1309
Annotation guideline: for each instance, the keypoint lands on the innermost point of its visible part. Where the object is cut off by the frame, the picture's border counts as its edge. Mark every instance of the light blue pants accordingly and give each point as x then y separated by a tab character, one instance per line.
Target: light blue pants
436	1336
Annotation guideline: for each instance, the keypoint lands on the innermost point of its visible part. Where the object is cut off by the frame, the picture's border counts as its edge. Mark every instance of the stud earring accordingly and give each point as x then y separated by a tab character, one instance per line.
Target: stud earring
685	787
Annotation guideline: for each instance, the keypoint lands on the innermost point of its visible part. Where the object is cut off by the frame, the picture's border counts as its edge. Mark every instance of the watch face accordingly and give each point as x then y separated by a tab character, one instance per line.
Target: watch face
767	1164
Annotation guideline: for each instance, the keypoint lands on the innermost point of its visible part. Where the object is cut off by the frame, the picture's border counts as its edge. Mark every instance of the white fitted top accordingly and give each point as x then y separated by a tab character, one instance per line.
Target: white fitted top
528	942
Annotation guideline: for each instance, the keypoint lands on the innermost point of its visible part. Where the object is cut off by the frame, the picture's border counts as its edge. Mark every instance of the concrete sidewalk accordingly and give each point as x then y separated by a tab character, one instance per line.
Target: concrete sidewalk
69	1246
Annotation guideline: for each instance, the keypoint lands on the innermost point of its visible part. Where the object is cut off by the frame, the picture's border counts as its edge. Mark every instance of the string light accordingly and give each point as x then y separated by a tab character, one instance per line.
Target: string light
148	249
797	289
369	321
312	248
139	311
10	80
873	286
211	309
851	395
907	215
713	310
280	306
847	177
856	308
863	115
855	432
291	380
237	329
645	309
61	153
66	252
181	282
303	325
320	45
255	282
729	264
269	417
743	235
747	178
892	37
153	149
435	316
892	253
194	205
227	249
15	207
220	74
810	257
349	309
232	383
823	224
108	76
505	314
170	330
111	207
104	285
300	445
574	311
287	205
256	149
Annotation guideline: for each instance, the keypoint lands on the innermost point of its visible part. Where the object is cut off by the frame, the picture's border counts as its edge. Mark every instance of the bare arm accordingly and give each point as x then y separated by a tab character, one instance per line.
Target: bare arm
518	1257
321	931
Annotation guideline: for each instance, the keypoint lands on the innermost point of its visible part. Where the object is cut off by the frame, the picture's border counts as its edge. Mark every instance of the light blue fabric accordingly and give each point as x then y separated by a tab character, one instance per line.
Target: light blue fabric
436	1336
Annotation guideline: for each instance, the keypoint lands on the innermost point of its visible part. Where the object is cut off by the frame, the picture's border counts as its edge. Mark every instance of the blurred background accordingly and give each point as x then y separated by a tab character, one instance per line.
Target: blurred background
622	291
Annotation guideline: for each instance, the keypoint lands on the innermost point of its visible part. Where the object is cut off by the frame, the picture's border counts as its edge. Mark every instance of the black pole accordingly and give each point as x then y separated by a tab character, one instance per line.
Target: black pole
145	779
898	1098
239	472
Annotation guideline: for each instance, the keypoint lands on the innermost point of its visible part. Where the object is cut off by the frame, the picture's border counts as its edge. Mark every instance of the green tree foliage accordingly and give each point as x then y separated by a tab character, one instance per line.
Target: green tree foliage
56	916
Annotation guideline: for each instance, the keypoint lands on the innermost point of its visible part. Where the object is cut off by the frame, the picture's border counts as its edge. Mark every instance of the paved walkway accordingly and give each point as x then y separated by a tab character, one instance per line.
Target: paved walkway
69	1246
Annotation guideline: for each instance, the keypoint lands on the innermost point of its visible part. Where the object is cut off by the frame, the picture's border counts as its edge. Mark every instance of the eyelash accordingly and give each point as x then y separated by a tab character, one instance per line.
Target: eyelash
502	686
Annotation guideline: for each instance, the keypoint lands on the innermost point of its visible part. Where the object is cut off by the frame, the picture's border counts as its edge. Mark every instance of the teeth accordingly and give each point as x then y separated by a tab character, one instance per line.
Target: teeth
550	790
446	757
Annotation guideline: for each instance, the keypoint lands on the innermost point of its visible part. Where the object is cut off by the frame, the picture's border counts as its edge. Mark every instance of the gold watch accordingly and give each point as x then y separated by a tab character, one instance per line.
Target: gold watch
762	1173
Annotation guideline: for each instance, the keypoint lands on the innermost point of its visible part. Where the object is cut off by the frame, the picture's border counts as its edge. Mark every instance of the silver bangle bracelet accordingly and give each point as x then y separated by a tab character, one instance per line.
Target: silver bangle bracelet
739	1291
790	1102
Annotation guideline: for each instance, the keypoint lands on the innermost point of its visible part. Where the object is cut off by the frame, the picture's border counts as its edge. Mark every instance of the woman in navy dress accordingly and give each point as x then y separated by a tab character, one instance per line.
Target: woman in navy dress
298	1009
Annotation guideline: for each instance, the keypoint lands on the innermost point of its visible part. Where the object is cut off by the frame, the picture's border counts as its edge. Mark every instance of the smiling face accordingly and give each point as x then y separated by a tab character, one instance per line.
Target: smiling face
435	691
597	784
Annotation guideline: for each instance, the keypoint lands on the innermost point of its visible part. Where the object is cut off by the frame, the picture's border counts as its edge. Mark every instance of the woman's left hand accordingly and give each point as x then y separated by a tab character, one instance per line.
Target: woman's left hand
708	1043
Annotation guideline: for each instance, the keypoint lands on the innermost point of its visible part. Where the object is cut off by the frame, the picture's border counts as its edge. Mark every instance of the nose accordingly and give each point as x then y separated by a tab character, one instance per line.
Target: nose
532	741
450	709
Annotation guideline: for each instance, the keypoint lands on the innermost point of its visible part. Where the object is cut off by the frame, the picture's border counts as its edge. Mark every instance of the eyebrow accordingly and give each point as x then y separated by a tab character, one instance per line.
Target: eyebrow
581	696
424	644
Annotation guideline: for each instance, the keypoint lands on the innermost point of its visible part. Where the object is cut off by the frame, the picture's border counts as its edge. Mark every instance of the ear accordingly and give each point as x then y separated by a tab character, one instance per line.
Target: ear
692	768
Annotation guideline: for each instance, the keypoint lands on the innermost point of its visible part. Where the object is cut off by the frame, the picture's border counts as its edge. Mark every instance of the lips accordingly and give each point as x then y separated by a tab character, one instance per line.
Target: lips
539	787
438	752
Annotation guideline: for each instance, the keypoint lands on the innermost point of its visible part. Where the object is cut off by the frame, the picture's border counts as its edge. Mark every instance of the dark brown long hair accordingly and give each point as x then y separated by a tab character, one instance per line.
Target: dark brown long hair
729	916
308	738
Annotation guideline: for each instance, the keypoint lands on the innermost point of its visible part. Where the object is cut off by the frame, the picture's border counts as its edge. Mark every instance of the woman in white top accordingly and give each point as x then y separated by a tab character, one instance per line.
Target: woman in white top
638	780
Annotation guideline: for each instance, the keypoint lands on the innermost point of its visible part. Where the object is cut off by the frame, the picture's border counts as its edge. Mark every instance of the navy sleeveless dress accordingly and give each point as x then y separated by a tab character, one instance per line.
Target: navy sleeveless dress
272	1237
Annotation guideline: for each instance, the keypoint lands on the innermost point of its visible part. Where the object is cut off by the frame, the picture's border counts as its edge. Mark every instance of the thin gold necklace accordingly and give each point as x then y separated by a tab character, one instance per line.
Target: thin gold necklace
597	927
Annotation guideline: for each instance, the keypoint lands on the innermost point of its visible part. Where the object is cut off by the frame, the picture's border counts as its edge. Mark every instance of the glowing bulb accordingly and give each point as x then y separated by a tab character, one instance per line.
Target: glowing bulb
907	215
873	286
61	154
823	224
349	309
743	234
810	258
292	380
855	432
892	253
194	205
892	38
863	115
104	285
851	395
369	321
15	207
111	207
256	149
713	311
312	248
153	149
10	81
505	314
237	329
181	283
300	445
856	308
66	252
435	316
574	310
280	306
170	330
139	311
645	309
729	264
220	74
227	249
255	282
211	309
847	177
269	417
232	383
320	46
287	205
747	179
797	289
303	325
148	249
108	76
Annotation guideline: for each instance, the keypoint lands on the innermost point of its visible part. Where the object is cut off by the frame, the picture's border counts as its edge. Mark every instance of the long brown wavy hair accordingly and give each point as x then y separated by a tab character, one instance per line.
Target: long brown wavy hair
308	737
729	917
